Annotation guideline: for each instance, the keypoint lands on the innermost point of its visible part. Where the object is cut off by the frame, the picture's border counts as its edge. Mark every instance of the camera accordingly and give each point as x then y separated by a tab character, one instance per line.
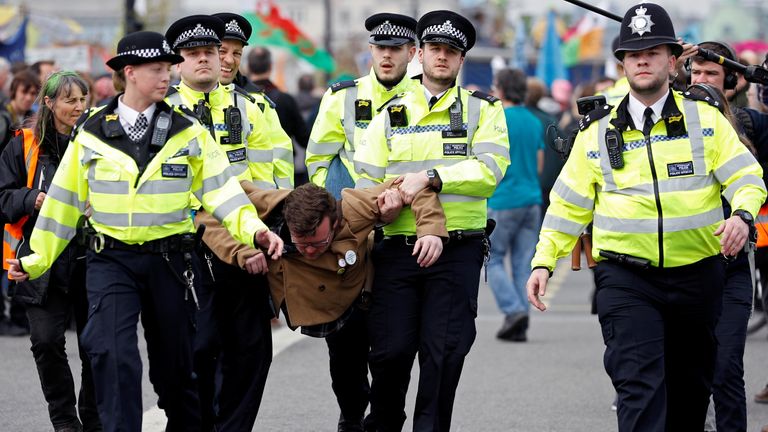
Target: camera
589	103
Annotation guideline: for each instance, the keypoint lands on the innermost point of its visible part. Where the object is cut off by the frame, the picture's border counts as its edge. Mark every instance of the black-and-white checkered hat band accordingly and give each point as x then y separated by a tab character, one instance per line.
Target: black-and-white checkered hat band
198	32
388	29
148	52
233	27
447	30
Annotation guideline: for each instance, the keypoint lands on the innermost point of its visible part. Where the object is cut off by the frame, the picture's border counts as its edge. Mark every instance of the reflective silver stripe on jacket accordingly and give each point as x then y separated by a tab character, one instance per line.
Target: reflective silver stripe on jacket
556	223
349	115
445	198
734	165
474	105
363	183
749	179
695	135
52	226
224	209
282	183
175	99
247	126
283	154
651	226
327	149
675	184
259	156
571	196
371	170
263	184
65	196
605	164
156	187
405	167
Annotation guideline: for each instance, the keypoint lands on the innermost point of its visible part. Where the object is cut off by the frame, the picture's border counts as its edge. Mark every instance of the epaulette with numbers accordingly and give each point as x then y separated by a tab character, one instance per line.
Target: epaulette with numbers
244	93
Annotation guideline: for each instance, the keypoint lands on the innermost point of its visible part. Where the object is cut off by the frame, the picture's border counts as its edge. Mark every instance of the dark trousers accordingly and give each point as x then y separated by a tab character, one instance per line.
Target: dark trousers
233	347
121	285
731	331
429	311
659	330
348	360
48	322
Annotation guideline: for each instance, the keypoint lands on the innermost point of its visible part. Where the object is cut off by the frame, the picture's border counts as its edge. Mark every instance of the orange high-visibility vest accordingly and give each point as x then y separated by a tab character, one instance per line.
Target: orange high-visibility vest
13	232
761	224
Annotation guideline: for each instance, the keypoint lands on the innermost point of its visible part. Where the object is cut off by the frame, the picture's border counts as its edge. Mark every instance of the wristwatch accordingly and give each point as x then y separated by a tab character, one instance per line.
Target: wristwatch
745	216
433	180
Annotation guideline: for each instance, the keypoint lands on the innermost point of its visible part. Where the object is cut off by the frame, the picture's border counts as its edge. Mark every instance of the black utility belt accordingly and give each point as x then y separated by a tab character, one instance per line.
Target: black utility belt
453	236
627	260
174	243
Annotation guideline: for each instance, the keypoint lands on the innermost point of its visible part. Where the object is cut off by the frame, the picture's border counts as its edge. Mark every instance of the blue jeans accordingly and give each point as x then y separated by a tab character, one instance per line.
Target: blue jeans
338	178
517	231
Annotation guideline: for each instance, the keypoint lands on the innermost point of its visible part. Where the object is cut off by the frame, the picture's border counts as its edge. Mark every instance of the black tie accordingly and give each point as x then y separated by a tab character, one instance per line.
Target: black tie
432	101
648	122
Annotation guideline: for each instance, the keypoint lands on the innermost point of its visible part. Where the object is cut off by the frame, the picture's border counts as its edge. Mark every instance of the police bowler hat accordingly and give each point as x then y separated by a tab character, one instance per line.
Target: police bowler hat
644	26
195	31
236	27
390	29
142	47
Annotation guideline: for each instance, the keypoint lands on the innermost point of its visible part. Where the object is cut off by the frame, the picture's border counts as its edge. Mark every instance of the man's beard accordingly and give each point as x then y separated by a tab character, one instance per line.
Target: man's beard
389	83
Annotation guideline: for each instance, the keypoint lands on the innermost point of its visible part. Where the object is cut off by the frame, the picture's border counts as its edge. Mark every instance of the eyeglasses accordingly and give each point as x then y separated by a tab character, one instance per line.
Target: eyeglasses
316	245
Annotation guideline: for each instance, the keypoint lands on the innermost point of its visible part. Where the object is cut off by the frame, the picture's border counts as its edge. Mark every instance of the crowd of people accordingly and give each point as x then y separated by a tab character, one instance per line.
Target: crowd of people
207	207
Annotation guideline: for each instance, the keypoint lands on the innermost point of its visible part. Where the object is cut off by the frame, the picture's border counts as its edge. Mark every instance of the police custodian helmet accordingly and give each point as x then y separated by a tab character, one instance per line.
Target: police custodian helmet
236	27
644	26
389	29
142	47
195	31
447	27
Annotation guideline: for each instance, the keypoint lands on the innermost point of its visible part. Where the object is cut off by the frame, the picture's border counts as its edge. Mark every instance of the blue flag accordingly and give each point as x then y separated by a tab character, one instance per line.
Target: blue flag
13	47
549	66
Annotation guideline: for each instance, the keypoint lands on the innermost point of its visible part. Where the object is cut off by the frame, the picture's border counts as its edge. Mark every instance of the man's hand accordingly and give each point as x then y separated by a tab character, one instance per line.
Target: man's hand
39	200
412	183
390	203
15	272
271	242
257	264
428	248
734	234
689	50
536	287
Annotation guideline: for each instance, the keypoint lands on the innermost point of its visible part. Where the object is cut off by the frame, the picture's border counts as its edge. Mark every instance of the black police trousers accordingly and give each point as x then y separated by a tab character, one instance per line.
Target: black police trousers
348	361
121	285
233	345
728	386
658	325
48	322
430	311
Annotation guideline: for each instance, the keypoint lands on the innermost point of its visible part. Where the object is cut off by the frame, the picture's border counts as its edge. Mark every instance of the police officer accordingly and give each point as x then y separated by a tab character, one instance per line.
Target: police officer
229	112
648	174
348	106
237	31
234	331
133	165
345	111
454	141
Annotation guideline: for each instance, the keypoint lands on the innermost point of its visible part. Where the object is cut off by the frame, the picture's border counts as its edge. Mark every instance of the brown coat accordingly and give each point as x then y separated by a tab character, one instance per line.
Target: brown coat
314	292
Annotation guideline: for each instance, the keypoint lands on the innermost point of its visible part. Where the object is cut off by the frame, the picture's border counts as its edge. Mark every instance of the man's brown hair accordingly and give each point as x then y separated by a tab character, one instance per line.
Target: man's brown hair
306	207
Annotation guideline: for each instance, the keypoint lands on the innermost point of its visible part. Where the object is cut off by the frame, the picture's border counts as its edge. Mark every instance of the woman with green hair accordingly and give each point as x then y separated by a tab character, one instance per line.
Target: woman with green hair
27	166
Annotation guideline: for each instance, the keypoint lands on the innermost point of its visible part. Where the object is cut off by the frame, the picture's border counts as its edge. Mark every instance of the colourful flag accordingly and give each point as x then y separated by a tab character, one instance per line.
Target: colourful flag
549	66
584	41
12	48
271	28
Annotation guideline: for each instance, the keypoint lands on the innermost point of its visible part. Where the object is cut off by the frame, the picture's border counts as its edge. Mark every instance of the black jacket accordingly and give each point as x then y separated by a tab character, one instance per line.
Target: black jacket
17	201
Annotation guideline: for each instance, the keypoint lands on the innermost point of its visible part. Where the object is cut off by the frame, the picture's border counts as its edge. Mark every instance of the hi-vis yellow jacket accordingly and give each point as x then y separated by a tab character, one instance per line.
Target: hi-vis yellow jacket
345	111
264	155
471	161
138	207
615	93
664	204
